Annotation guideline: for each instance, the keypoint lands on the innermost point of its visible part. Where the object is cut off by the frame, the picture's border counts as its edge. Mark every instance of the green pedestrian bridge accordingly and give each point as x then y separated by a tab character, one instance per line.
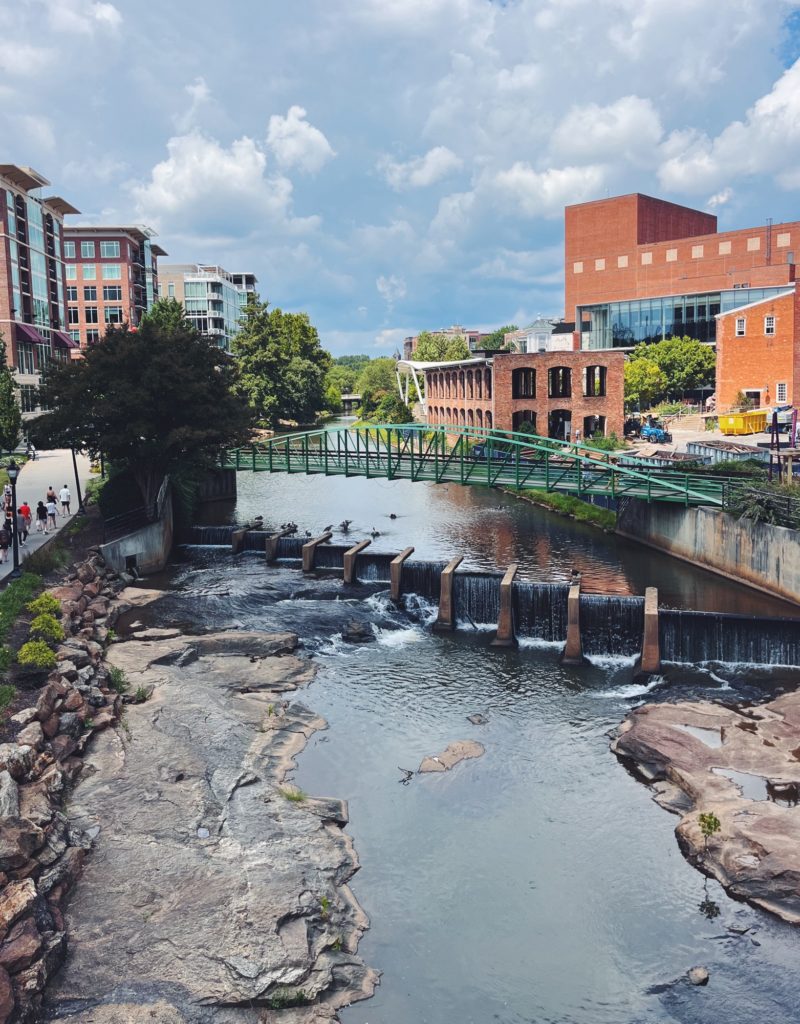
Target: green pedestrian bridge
474	456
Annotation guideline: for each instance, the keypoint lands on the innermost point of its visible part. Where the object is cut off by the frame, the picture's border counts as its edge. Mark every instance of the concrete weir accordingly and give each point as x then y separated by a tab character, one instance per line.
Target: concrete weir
505	636
446	620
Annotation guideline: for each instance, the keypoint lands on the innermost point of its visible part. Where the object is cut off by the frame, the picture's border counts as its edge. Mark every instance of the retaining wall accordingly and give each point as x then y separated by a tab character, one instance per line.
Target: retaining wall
150	546
762	556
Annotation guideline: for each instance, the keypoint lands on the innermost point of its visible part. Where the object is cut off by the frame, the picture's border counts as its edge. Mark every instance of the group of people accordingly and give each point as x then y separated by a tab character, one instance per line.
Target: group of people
21	520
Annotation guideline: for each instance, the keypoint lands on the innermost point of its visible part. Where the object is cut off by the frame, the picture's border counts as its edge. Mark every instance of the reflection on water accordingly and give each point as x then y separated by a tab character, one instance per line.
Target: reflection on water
538	883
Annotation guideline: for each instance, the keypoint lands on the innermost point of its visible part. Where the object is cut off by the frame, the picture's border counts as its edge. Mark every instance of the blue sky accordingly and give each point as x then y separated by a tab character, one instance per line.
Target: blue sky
395	165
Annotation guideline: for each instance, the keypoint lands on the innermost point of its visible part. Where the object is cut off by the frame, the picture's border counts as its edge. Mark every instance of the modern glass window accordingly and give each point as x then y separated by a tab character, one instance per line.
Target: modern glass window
741	324
72	293
28	398
74	315
171	289
75	335
90	293
112	293
87	250
780	393
25	362
769	325
90	315
109	250
112	272
72	271
69	250
113	314
92	336
89	271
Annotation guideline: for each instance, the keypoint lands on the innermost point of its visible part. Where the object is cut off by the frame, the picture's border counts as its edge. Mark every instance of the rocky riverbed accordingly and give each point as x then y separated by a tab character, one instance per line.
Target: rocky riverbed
741	765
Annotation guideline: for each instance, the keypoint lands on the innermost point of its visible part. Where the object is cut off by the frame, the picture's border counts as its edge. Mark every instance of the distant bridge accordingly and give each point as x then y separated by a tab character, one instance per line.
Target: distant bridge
469	456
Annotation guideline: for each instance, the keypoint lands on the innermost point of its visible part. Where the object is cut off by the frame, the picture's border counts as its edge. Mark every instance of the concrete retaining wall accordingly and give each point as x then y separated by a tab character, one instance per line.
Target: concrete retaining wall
762	556
150	546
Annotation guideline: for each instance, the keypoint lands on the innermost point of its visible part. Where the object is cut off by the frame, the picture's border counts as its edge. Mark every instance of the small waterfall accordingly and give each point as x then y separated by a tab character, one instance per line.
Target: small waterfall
540	610
210	535
291	547
330	556
255	540
477	597
611	625
423	578
374	567
689	636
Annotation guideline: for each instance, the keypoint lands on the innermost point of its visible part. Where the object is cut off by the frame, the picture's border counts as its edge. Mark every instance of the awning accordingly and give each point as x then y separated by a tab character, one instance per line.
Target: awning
63	339
29	333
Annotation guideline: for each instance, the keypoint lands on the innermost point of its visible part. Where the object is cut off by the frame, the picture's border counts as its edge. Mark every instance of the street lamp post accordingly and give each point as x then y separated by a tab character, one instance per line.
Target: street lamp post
81	508
13	472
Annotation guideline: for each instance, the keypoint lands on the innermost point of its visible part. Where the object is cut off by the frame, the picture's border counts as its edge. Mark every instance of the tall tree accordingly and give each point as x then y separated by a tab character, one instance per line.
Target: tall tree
10	414
437	348
645	383
282	365
687	364
375	382
155	400
496	339
167	314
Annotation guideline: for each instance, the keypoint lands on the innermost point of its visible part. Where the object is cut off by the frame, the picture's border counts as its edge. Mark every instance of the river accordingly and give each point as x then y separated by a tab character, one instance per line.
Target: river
538	883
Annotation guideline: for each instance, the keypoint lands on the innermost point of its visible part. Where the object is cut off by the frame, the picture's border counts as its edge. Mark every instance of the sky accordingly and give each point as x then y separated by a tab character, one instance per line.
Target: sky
389	166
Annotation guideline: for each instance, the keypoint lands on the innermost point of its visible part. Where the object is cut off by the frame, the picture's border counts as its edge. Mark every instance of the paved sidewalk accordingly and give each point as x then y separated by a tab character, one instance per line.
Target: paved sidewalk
54	468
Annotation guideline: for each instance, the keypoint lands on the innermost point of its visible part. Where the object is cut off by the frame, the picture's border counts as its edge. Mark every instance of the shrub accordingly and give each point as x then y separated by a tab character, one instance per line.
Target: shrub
46	559
7	695
14	598
37	654
6	657
47	627
44	604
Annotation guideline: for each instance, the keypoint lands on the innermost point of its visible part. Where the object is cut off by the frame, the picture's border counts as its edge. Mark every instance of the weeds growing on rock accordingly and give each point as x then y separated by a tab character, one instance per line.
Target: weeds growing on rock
111	635
142	694
296	796
324	907
283	998
117	680
709	825
337	945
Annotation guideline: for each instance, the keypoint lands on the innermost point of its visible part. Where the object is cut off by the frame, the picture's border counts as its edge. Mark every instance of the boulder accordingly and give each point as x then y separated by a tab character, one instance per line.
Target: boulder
71	723
355	632
451	756
31	736
24	717
19	839
16	760
16	900
63	747
86	573
698	975
7	1000
49	697
50	726
9	796
21	946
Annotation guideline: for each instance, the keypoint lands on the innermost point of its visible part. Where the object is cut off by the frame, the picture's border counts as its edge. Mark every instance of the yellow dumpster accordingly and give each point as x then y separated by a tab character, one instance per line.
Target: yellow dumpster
743	422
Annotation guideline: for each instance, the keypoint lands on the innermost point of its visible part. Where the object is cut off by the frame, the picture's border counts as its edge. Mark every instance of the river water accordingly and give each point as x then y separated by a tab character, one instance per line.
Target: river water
538	883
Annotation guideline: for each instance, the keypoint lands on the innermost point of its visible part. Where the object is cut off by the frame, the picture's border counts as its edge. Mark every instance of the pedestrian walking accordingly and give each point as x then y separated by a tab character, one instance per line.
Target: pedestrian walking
41	518
52	512
65	498
25	509
22	525
51	494
5	540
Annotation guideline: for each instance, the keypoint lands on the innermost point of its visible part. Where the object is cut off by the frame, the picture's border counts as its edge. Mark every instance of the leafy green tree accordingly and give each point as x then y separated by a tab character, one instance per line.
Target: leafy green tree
645	383
687	364
436	348
333	398
10	414
168	315
343	378
155	401
282	365
377	378
392	409
496	340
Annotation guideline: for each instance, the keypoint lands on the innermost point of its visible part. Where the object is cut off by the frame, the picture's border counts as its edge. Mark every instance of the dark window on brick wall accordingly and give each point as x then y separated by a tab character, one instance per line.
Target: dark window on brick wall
523	383
559	382
594	381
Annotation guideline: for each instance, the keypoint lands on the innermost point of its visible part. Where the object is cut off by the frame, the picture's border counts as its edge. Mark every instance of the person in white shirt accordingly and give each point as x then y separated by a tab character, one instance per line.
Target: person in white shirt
65	497
52	512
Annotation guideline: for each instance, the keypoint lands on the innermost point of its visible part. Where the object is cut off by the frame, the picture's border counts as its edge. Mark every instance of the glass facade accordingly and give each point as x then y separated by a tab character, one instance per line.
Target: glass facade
625	324
212	304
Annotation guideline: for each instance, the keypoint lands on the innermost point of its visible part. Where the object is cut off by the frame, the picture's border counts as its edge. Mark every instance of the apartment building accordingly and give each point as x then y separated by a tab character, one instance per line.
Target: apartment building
245	285
112	278
33	313
543	335
210	295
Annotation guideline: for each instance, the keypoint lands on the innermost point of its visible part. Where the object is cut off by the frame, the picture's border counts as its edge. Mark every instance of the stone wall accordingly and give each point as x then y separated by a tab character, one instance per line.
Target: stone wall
763	556
148	547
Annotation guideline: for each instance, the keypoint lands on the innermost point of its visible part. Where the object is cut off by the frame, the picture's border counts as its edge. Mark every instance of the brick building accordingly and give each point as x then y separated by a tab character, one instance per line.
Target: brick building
555	393
112	278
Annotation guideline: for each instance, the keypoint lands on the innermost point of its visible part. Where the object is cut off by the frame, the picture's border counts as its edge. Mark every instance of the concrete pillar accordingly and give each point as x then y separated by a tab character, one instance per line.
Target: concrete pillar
651	649
504	637
271	549
573	651
310	550
237	541
396	573
446	619
349	561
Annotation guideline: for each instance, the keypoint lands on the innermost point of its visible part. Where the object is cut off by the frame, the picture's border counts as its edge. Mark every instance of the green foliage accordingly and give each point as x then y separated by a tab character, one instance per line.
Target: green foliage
48	558
6	657
337	945
644	383
605	444
571	506
167	315
282	998
344	373
10	413
392	409
283	366
142	694
37	654
14	598
7	695
434	348
496	340
44	604
375	382
742	403
121	494
709	825
47	627
293	794
324	907
686	364
333	398
117	680
151	400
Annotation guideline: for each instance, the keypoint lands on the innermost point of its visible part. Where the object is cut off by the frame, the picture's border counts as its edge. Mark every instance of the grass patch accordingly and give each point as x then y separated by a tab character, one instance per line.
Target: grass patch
7	695
566	503
117	680
282	998
294	795
47	559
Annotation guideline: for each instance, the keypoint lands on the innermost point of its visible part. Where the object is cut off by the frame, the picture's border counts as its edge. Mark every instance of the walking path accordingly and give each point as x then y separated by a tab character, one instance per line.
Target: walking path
54	467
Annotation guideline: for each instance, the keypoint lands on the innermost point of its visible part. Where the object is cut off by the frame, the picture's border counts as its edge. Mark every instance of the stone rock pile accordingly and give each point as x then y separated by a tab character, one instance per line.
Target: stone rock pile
40	854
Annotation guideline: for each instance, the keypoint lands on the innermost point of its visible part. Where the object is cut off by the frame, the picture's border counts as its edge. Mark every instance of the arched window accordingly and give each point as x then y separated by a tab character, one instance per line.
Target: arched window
524	418
478	384
523	383
447	384
559	382
559	424
470	418
488	382
462	417
488	420
469	383
594	381
593	425
461	384
479	416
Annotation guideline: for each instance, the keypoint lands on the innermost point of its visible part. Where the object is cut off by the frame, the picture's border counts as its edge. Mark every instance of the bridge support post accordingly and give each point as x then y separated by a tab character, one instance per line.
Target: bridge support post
446	619
310	551
651	649
237	541
505	637
573	651
396	573
349	561
271	549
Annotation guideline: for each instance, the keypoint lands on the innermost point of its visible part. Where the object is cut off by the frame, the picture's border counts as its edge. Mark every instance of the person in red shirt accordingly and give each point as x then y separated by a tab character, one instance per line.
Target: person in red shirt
25	510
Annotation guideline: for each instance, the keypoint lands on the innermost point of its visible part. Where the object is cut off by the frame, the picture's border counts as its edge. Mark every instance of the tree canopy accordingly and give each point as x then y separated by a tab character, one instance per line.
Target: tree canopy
282	365
645	383
154	400
10	414
685	364
168	315
376	380
496	339
436	348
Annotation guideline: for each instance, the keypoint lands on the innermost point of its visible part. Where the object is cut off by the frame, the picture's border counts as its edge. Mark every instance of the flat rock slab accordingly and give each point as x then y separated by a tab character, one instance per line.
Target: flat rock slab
461	750
138	597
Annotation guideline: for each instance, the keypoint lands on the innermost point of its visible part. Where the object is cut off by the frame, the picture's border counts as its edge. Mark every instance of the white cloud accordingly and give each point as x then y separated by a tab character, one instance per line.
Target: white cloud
542	266
296	143
545	193
391	339
629	128
422	171
719	198
82	17
199	95
391	289
453	216
36	130
25	59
